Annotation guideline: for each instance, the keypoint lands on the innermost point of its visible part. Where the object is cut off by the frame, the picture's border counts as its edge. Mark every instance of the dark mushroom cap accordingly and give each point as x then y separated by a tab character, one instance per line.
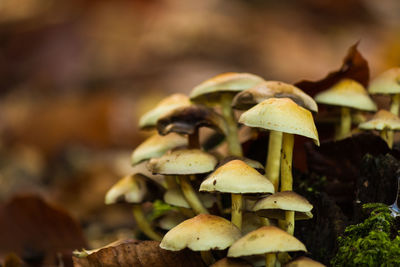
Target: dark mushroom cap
273	89
186	120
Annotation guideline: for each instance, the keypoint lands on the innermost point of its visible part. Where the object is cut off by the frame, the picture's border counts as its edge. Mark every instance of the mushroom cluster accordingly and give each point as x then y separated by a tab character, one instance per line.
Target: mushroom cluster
219	199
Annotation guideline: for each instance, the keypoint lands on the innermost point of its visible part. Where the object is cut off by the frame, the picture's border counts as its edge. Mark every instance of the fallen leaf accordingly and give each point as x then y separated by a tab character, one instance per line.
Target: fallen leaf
139	254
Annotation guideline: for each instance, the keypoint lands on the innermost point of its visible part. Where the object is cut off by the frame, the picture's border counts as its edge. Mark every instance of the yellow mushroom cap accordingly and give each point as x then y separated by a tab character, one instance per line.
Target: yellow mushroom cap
156	146
267	239
135	188
387	82
347	93
211	89
273	89
149	119
183	162
227	262
283	115
274	206
304	262
203	232
382	120
237	177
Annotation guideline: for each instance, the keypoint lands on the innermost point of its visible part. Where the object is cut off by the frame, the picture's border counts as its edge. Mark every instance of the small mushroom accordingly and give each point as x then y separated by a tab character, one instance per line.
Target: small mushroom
149	119
265	240
156	146
229	262
183	163
346	94
252	163
220	90
237	178
383	121
136	189
202	233
304	262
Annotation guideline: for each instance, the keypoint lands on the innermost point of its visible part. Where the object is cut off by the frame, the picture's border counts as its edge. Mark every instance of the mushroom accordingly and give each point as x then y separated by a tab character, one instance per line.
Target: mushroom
273	89
227	262
220	90
202	233
149	119
265	240
252	163
237	178
346	94
136	189
383	121
156	146
183	163
274	207
304	262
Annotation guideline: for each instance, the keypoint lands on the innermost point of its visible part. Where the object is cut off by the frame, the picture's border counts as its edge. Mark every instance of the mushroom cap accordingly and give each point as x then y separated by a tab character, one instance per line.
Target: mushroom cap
251	162
237	177
174	197
149	119
187	119
227	262
183	162
387	82
136	188
211	90
203	232
273	89
274	206
283	115
382	120
304	262
267	239
156	146
347	93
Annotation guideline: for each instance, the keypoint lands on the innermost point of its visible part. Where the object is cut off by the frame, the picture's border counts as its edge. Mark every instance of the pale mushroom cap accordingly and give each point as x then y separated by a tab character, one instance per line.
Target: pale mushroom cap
237	177
233	82
387	82
267	239
131	188
183	162
383	119
304	262
283	115
156	146
149	119
347	93
273	89
203	232
174	197
274	206
227	262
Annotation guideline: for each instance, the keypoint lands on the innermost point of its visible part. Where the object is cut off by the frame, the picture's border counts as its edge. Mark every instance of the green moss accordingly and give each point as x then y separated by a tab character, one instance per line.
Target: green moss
159	209
370	243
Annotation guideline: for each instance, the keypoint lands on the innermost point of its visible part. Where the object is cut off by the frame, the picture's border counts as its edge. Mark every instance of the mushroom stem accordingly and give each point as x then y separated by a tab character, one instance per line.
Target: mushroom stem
270	259
274	158
345	123
235	148
385	134
289	218
394	107
236	217
191	196
193	140
207	257
286	162
143	224
170	181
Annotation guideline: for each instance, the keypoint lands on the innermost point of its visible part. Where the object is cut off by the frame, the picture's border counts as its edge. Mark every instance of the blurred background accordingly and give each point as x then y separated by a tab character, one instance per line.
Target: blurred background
75	75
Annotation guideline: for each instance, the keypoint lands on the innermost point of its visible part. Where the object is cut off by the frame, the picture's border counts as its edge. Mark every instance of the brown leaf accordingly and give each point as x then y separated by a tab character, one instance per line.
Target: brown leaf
354	66
37	232
139	254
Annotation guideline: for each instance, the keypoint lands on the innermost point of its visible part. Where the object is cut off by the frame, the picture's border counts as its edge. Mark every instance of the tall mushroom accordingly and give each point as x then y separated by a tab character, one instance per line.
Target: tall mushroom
220	90
237	178
183	163
136	189
273	89
346	94
383	121
202	233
